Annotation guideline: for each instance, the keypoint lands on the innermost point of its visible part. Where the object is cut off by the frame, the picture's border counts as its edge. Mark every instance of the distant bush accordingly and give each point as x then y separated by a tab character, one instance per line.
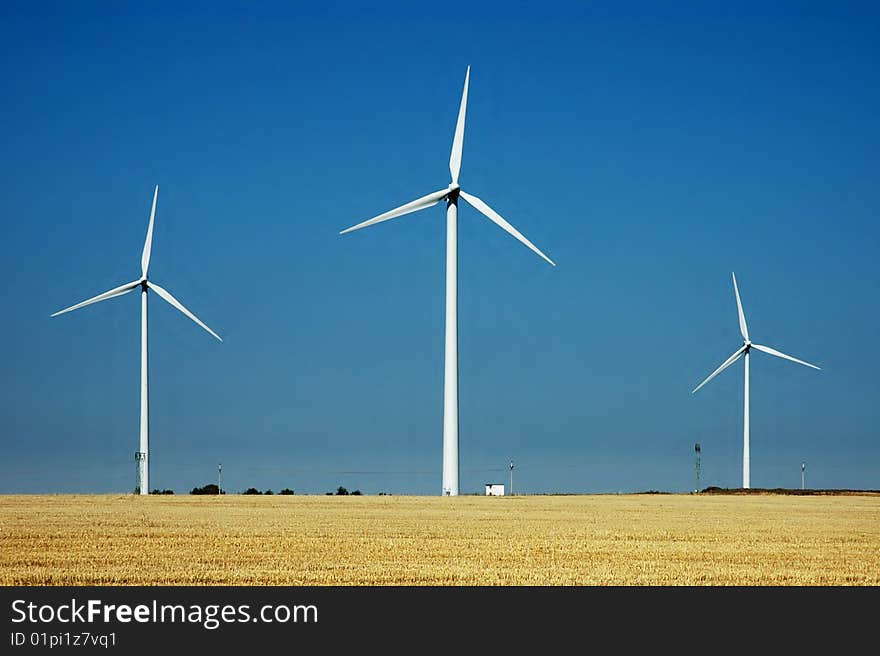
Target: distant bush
252	490
356	493
286	490
210	488
157	491
341	491
268	492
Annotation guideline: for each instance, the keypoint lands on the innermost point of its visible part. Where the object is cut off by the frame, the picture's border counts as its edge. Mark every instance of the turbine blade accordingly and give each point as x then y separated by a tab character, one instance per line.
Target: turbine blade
496	218
743	328
458	139
165	294
779	354
729	361
413	206
148	243
113	293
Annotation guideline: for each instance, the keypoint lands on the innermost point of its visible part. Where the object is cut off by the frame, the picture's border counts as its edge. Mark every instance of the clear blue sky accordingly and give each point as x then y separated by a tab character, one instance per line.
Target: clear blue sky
649	150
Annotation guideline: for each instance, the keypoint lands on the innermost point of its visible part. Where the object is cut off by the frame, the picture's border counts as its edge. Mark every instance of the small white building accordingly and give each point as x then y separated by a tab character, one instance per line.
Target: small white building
494	489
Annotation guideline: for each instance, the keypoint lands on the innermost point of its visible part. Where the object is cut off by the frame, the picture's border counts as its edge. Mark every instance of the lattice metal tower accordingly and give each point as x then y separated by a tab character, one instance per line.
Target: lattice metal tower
697	466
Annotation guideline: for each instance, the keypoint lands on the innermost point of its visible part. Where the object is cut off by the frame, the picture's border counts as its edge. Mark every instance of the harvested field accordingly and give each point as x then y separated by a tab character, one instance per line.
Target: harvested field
387	540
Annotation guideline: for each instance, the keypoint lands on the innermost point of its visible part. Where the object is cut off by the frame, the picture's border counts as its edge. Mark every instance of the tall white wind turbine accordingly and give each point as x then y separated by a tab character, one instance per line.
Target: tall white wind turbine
143	455
451	194
743	351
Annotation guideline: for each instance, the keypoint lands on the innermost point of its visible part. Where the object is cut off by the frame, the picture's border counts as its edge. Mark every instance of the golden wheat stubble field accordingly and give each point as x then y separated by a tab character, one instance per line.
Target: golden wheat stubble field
389	540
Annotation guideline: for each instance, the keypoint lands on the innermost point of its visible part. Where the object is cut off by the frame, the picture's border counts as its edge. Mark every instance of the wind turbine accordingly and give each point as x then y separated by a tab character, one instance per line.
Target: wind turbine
142	456
740	352
451	194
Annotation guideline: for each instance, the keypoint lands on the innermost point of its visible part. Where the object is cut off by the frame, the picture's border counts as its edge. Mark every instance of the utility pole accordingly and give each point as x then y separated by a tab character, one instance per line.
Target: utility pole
219	474
511	478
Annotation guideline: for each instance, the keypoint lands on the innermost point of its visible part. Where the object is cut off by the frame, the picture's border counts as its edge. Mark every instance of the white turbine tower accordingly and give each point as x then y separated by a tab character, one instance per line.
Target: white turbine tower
740	352
451	195
142	456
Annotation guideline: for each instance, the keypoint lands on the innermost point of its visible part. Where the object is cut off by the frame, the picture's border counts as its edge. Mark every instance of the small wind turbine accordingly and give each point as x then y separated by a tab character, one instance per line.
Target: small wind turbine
142	456
744	351
451	195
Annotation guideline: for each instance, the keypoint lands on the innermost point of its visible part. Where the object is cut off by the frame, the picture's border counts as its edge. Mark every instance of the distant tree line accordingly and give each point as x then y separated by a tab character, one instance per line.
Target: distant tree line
342	492
210	488
253	490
